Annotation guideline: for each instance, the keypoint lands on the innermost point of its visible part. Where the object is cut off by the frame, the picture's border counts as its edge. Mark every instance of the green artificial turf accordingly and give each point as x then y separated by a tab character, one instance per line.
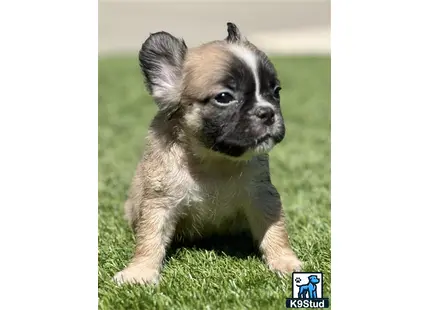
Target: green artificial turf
219	273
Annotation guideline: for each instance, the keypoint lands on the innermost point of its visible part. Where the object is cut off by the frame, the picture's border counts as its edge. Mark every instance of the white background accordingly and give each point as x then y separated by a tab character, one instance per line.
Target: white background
48	157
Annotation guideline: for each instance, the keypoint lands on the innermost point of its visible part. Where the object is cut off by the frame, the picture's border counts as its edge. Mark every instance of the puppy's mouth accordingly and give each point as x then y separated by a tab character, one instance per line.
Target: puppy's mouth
262	139
276	138
263	144
238	146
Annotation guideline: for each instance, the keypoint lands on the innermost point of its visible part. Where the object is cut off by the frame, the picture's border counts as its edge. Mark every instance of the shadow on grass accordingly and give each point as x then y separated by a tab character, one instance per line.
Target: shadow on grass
240	245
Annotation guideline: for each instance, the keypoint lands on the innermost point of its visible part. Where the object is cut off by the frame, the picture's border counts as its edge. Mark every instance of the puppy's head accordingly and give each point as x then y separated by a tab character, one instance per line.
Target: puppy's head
226	92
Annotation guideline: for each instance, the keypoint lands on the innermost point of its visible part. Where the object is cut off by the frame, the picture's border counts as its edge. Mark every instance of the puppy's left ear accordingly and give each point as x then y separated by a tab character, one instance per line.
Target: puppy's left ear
161	59
234	35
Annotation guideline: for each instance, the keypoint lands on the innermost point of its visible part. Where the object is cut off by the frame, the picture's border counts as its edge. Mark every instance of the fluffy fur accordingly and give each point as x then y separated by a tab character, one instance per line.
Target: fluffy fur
205	168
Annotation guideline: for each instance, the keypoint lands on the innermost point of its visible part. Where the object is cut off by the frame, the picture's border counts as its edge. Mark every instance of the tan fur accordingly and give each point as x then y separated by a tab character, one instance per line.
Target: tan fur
175	193
203	68
180	190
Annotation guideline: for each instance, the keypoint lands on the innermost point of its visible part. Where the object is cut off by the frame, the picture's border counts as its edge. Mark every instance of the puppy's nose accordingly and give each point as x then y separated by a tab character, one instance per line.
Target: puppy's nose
266	114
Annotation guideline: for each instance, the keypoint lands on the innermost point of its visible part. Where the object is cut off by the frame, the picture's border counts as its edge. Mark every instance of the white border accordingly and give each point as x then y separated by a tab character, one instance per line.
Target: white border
380	153
214	1
48	164
48	157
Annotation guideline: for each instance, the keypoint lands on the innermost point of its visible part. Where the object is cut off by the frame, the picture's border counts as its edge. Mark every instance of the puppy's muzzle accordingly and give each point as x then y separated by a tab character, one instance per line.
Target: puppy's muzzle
266	114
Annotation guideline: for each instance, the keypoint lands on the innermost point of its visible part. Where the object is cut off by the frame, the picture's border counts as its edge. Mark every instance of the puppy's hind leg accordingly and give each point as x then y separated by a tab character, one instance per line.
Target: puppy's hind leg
154	228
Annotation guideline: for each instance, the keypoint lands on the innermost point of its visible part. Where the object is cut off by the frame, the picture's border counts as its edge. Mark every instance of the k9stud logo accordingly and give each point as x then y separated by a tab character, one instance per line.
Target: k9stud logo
307	291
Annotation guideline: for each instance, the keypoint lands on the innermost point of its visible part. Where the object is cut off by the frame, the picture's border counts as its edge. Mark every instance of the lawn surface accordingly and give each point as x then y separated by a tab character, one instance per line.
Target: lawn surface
228	275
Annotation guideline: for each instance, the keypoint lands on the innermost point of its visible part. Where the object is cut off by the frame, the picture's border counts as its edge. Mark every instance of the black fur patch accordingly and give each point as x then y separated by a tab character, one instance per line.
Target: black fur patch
234	129
233	33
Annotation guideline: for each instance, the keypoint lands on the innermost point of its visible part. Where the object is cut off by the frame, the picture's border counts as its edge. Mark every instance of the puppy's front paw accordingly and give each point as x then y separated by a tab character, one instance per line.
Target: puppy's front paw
285	264
137	275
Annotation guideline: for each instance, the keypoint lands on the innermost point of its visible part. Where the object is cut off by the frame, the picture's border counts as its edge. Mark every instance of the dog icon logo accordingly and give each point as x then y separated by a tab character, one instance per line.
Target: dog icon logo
307	291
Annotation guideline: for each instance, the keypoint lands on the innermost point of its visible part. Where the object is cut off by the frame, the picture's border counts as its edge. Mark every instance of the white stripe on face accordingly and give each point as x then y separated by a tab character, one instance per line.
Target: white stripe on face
251	59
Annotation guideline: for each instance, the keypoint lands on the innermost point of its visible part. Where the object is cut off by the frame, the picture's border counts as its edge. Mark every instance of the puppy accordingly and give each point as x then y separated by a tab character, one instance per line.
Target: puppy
205	168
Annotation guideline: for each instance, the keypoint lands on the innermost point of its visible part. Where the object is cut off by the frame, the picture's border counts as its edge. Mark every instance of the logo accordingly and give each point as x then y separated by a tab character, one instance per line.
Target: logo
307	291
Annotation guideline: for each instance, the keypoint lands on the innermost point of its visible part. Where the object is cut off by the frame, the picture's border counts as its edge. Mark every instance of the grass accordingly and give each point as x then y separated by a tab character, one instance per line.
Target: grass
227	275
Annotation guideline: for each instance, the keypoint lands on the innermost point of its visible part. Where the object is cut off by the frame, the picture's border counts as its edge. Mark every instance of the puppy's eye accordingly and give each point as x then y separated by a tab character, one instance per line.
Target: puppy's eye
276	92
224	98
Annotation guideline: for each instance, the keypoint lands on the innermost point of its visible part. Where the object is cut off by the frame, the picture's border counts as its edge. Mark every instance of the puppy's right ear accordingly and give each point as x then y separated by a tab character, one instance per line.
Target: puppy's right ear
161	59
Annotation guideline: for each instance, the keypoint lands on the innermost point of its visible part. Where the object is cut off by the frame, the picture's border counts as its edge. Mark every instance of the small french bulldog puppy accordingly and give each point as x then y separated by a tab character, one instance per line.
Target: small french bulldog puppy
205	168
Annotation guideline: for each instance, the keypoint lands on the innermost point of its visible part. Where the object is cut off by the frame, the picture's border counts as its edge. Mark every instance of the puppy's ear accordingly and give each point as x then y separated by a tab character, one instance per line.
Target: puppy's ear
234	35
161	59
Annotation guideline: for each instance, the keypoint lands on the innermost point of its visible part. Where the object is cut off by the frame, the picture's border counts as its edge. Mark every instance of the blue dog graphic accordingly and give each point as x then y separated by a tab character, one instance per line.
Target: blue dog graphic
309	289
